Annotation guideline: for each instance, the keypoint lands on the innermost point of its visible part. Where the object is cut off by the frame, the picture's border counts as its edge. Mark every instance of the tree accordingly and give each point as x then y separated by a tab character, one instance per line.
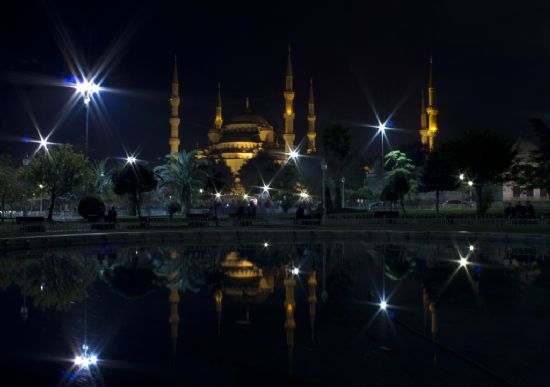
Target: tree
397	162
336	148
438	175
263	169
485	156
133	179
60	171
100	178
11	187
181	172
397	186
218	176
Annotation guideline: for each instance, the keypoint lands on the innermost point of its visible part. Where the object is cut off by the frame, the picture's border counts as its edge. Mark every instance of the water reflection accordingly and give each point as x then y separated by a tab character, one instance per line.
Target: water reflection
253	292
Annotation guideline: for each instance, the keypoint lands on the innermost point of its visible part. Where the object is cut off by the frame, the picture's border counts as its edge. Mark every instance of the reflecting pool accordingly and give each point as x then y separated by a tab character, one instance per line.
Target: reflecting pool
262	314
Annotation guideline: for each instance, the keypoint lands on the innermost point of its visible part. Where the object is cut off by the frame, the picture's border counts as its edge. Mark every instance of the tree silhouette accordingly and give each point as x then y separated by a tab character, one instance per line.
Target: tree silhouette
485	156
133	179
438	175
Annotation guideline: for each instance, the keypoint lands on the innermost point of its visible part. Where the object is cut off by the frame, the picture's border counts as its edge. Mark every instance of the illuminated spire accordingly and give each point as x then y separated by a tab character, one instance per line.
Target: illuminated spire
288	114
174	117
312	299
288	77
290	322
423	116
215	131
428	126
311	133
174	319
247	105
219	119
218	297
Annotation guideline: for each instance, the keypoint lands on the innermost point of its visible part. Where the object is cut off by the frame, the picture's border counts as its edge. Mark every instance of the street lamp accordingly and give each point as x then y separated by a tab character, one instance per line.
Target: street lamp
26	162
87	89
41	186
324	167
343	181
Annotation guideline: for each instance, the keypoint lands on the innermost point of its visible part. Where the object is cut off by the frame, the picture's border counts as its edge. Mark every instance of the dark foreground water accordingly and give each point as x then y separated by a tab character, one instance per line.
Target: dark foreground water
275	315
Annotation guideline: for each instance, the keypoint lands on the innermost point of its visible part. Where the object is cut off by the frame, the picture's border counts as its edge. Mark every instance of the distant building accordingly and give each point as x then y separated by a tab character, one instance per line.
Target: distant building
512	192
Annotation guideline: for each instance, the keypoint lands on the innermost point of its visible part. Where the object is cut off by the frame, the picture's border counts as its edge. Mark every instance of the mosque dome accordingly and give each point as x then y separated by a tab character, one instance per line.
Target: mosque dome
249	118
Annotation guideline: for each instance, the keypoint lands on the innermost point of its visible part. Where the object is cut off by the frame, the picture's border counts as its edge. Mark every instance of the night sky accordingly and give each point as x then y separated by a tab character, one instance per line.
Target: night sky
491	67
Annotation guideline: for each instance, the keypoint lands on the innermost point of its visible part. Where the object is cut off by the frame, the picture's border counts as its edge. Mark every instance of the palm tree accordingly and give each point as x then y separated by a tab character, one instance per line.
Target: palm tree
101	178
181	172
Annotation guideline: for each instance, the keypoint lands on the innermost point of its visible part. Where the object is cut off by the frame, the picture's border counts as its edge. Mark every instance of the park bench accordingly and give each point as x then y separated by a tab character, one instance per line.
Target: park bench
31	223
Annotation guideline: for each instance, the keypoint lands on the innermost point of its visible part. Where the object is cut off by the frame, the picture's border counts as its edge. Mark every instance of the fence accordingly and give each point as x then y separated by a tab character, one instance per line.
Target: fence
13	228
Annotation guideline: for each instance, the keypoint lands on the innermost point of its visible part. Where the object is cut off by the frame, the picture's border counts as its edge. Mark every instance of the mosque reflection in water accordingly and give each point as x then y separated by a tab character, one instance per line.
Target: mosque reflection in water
326	276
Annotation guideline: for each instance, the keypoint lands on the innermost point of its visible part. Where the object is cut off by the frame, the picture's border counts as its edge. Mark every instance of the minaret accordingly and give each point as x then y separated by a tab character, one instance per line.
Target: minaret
214	133
288	115
423	121
174	300
311	134
431	110
174	118
312	299
174	319
218	297
290	323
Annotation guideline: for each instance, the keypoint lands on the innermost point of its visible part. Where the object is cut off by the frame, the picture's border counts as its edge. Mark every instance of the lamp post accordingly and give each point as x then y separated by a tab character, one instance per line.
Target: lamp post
41	199
470	184
26	162
324	167
343	199
87	89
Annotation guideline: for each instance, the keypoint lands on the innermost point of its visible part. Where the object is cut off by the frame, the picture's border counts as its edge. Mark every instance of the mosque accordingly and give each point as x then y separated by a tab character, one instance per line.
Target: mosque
240	138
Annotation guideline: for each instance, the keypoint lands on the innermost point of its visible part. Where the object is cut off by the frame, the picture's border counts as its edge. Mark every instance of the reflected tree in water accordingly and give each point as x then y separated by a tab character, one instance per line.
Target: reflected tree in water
398	264
134	276
52	280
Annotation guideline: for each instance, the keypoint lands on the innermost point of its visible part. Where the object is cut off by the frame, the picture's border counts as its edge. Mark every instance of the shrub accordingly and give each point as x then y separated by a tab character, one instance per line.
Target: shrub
91	207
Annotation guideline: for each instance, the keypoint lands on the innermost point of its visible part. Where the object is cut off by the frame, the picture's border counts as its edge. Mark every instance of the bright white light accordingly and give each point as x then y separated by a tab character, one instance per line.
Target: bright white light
87	88
304	195
131	159
93	359
463	262
470	183
266	244
471	247
201	190
245	196
218	195
293	154
383	305
79	360
266	188
461	176
295	271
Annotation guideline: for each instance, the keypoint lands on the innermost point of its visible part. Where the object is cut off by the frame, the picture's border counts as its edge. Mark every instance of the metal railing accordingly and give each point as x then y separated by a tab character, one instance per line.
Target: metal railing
13	228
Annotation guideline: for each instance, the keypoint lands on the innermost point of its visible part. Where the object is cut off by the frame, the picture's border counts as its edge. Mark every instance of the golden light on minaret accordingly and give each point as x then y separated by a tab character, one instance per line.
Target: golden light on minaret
288	115
432	111
218	297
215	132
290	323
311	133
312	299
174	116
174	300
